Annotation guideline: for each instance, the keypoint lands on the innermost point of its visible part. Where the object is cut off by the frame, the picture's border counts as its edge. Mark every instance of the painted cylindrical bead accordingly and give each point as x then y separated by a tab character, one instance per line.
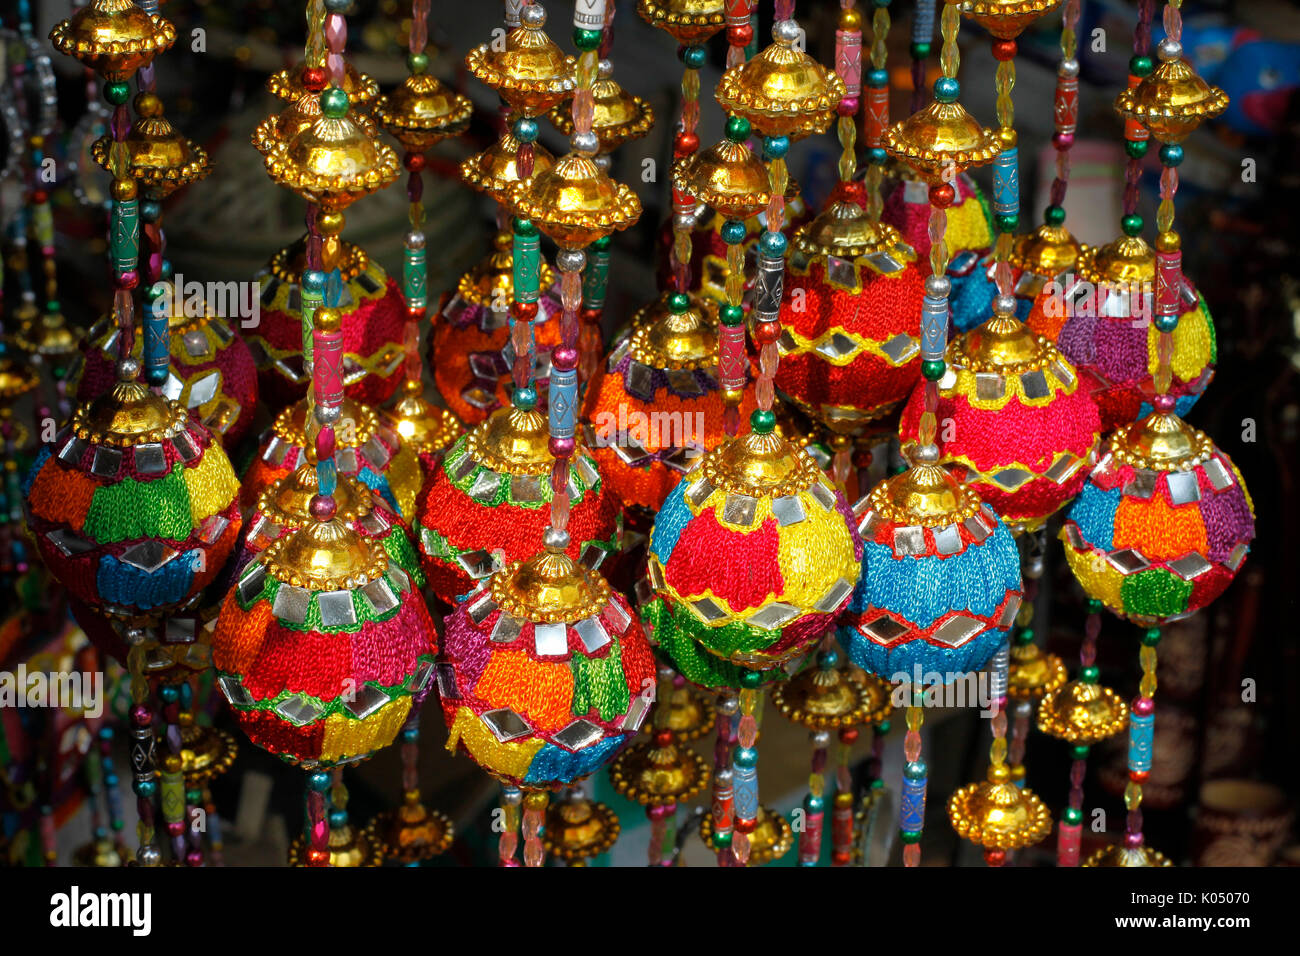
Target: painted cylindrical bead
1141	730
768	289
527	266
327	368
848	60
934	327
1069	836
1066	107
589	14
595	278
124	234
732	363
414	278
911	808
562	402
1006	183
1169	282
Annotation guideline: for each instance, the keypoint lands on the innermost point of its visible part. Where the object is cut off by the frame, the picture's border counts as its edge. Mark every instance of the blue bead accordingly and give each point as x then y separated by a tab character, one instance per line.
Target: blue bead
915	770
772	245
877	155
947	89
733	232
410	735
775	147
525	398
313	282
145	788
338	819
150	210
110	780
746	758
813	803
694	55
1166	323
319	781
156	375
169	694
525	130
1171	154
166	271
878	78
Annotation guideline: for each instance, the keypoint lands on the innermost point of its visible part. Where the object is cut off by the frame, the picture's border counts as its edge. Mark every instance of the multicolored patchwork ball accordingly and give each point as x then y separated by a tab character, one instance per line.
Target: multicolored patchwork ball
973	288
369	449
970	223
134	505
1163	524
212	372
751	558
542	694
323	647
1013	421
374	315
470	350
1101	318
489	501
940	579
850	319
656	405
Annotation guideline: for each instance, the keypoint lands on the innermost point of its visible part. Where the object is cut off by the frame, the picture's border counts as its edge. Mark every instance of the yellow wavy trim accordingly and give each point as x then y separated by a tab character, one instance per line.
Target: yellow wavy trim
872	346
348	737
212	484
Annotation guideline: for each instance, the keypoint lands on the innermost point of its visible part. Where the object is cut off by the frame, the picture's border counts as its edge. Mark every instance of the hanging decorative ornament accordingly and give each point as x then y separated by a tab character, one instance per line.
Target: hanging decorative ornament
544	672
578	829
850	349
412	833
369	450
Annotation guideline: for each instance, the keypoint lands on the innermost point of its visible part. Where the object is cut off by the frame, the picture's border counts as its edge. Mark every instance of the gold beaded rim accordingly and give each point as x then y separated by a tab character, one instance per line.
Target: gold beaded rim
155	177
624	775
966	821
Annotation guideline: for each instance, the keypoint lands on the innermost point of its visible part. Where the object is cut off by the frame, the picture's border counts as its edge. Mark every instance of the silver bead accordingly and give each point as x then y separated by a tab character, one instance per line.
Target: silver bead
665	672
938	286
1004	304
127	369
512	796
533	15
1169	49
728	704
555	540
577	794
1069	68
602	161
820	739
925	454
571	260
587	142
684	220
134	636
785	31
415	240
149	855
605	69
328	414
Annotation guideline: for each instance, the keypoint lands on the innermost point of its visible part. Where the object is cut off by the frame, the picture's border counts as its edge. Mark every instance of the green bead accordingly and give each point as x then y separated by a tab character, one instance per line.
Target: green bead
194	797
1079	751
319	781
1166	323
947	89
1054	215
1132	224
882	728
1089	674
1006	223
1136	148
334	103
1171	154
1072	815
417	62
524	398
1094	606
721	840
694	56
148	788
169	694
525	227
53	306
751	680
1152	637
1140	66
733	232
1025	636
737	129
910	836
586	39
932	369
678	302
763	421
117	93
731	314
920	51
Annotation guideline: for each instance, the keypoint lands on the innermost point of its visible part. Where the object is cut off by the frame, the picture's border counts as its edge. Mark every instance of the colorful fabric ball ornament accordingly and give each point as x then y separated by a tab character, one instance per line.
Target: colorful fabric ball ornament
212	372
470	350
850	318
656	405
323	647
370	450
286	506
489	501
1163	524
1101	318
133	506
970	223
1014	421
374	313
750	561
940	580
1037	258
545	673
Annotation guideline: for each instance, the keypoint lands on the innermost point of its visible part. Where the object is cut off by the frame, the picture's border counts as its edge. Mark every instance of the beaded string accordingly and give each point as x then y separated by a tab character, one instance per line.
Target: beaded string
143	742
338	802
174	809
922	39
1141	738
1006	172
414	261
1169	254
595	277
663	816
1069	835
1136	137
877	111
1065	112
535	802
410	752
814	802
511	799
744	763
1022	710
843	806
739	16
686	143
998	770
723	805
110	780
315	824
911	805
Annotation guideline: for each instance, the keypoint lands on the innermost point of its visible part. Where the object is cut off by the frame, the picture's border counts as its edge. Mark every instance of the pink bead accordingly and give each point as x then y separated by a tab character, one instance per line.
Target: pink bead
194	858
322	508
1164	403
1062	141
336	32
564	358
848	106
141	716
1144	706
562	447
1133	840
912	854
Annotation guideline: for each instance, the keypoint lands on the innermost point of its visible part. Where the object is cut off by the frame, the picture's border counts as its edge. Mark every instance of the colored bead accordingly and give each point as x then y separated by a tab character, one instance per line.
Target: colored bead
334	103
1079	751
1132	224
1165	323
919	51
947	89
740	35
117	92
738	129
772	244
1136	148
685	143
733	230
1054	215
1089	674
525	398
1140	66
562	447
586	39
146	789
1151	637
877	156
693	55
1171	154
1006	186
910	836
169	694
1006	223
942	195
318	781
679	302
932	369
762	421
1062	141
731	314
314	78
878	78
525	129
417	62
775	147
751	679
1004	49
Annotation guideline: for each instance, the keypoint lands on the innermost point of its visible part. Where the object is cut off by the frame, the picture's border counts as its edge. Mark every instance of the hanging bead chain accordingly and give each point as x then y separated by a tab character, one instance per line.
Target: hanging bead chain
315	824
1069	837
814	803
1136	137
663	817
911	805
724	789
685	143
595	277
110	781
843	805
738	15
143	744
934	304
877	112
744	764
511	800
526	277
1022	710
1006	172
1065	112
414	262
174	809
1169	253
338	802
1141	737
38	197
124	219
922	39
535	802
998	670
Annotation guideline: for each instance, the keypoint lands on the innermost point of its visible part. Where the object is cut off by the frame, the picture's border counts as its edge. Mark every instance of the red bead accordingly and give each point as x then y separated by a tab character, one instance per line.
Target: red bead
318	857
862	458
1133	840
685	144
314	78
322	508
840	858
524	311
562	447
176	828
40	196
942	195
128	280
414	162
663	738
849	734
1004	49
766	332
995	857
740	36
563	359
194	858
414	313
589	316
141	716
1142	706
745	826
1139	776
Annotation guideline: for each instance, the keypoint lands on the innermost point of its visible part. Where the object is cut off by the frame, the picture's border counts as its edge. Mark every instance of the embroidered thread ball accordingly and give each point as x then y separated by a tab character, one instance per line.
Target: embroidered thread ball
489	501
1013	420
373	314
751	558
323	647
211	373
657	404
134	505
970	223
545	673
940	577
1101	318
1163	524
850	318
470	350
369	449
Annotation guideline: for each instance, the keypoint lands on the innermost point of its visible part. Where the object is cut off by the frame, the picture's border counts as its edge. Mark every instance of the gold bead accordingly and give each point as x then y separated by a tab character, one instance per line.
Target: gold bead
1007	136
172	763
124	190
329	223
850	19
328	320
147	105
999	773
536	800
732	396
1168	241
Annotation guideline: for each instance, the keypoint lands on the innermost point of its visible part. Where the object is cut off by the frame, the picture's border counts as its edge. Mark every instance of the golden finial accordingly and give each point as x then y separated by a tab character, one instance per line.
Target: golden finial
422	111
1173	100
1082	713
162	160
113	37
845	230
412	832
1005	19
1128	260
831	698
760	464
1161	442
325	556
782	91
349	846
287	502
425	427
1118	855
128	414
771	839
575	202
550	587
512	441
495	171
529	71
578	828
998	815
662	338
1033	673
941	140
727	177
46	335
1050	250
491	280
657	772
687	21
